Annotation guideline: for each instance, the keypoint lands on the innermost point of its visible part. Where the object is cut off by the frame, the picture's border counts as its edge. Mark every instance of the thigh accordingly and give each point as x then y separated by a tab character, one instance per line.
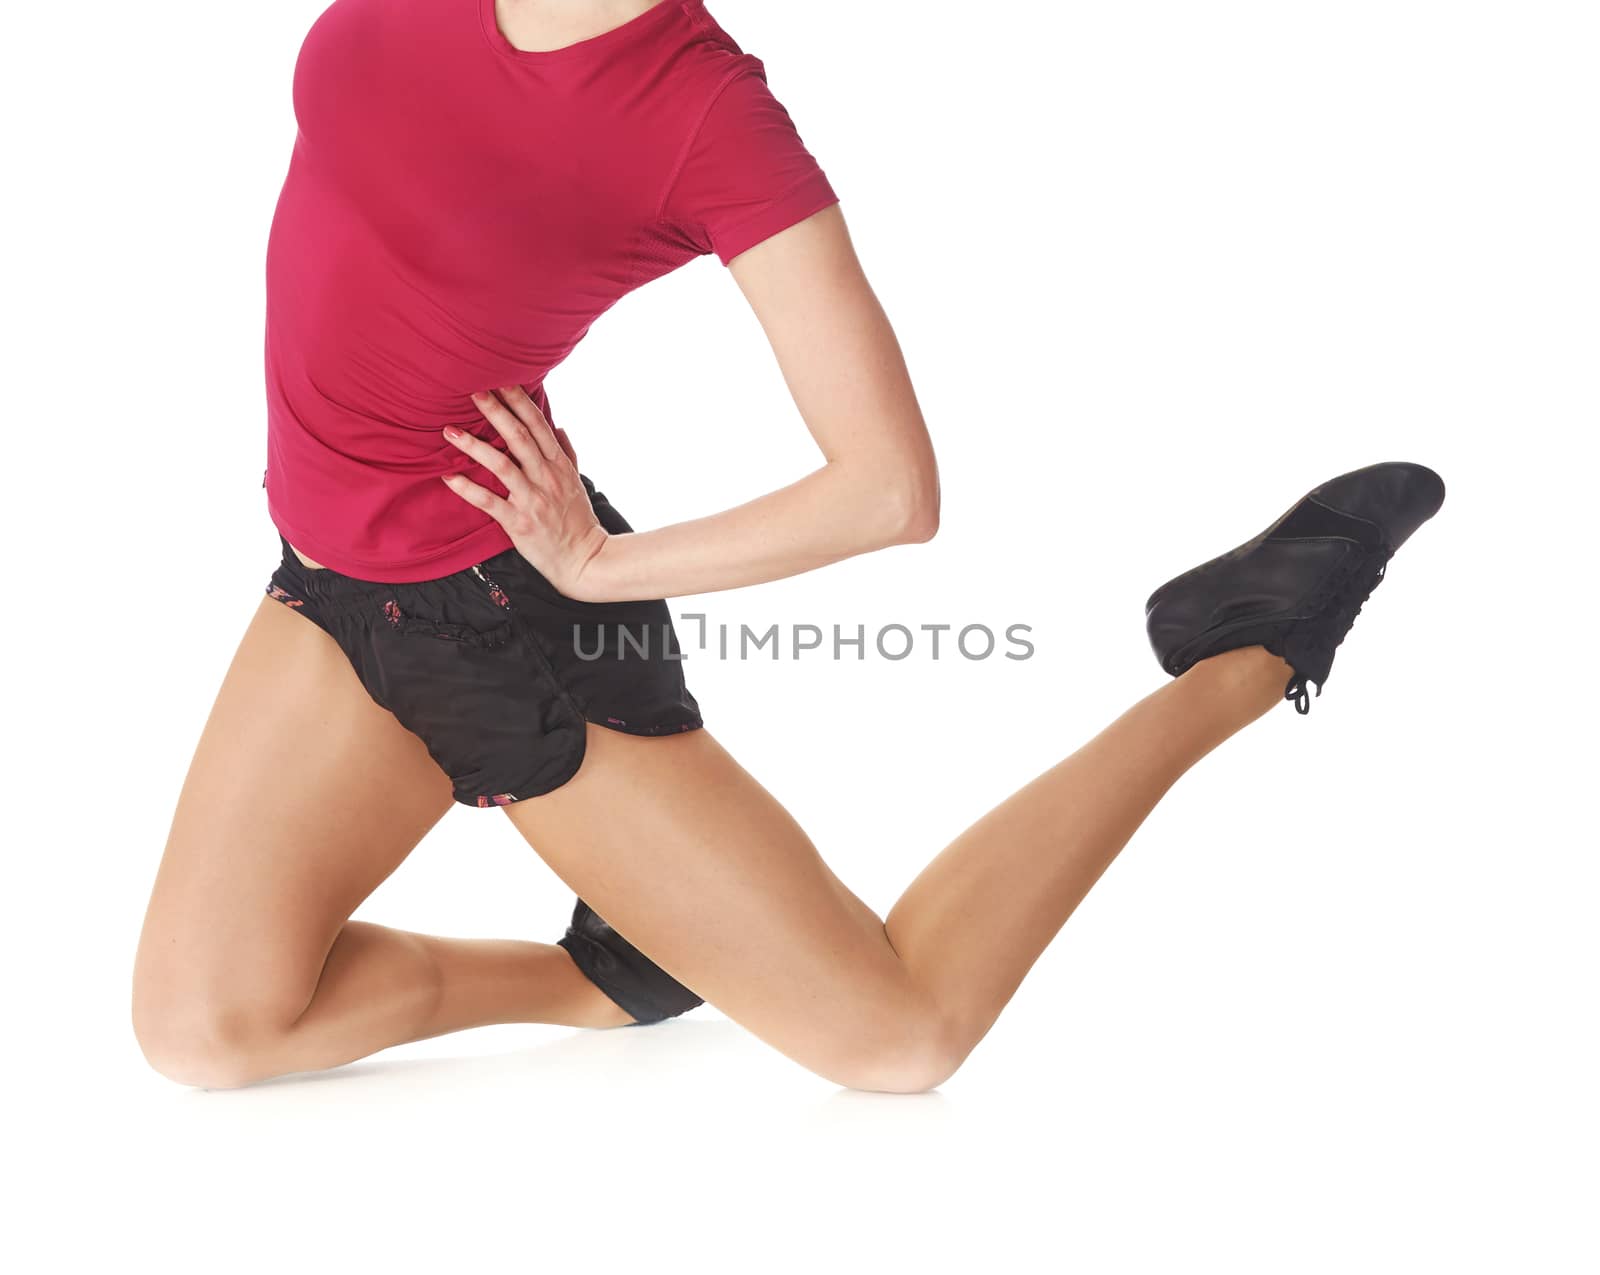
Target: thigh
302	796
702	869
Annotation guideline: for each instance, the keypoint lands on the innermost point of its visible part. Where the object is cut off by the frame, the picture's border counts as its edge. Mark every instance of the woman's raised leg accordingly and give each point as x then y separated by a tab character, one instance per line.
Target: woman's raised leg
303	796
686	855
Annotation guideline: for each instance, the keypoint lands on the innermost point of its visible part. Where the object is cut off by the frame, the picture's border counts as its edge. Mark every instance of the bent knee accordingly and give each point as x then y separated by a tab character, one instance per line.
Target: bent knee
919	1056
211	1041
209	1046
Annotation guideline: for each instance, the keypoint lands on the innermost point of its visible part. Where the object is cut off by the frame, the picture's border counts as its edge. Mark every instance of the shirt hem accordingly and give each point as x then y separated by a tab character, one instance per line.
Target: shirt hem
456	556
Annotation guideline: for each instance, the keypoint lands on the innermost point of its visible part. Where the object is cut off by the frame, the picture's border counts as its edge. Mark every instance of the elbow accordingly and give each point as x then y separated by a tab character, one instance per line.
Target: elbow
920	523
913	510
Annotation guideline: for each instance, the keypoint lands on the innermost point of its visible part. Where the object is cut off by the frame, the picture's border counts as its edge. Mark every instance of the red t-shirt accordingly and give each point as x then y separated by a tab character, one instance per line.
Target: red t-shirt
456	214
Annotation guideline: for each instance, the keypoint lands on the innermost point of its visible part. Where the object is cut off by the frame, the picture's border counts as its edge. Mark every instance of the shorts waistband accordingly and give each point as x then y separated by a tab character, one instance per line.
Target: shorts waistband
327	589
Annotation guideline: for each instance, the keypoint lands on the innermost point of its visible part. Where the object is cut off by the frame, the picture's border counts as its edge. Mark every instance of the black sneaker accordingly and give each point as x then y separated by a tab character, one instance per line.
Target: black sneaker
622	971
1297	587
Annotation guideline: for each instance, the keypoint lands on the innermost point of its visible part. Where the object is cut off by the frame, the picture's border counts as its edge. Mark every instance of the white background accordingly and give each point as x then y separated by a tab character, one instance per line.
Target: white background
1158	268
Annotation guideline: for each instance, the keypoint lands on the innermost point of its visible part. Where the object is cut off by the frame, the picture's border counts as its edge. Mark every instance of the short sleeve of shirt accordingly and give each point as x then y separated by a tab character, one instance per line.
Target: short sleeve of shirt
746	174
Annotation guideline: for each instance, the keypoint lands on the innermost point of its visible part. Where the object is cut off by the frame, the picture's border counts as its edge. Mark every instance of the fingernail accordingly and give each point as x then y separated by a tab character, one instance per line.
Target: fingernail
478	396
452	433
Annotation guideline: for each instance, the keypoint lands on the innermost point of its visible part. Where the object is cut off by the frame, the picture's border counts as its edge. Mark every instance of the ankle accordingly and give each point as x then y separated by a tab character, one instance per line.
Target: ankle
1249	672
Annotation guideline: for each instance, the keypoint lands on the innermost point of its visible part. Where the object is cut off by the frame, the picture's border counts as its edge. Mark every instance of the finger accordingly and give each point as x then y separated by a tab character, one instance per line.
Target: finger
482	498
491	458
519	441
566	446
527	411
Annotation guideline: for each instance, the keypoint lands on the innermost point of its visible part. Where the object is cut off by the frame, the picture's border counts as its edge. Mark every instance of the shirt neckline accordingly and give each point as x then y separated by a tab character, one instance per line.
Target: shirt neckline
633	27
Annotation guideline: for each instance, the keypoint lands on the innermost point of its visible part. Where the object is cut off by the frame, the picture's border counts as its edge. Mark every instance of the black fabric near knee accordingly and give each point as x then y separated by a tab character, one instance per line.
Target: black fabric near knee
622	971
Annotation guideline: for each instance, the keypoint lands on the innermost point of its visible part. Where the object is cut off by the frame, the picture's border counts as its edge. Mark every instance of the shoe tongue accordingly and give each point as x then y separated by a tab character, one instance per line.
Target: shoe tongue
1311	519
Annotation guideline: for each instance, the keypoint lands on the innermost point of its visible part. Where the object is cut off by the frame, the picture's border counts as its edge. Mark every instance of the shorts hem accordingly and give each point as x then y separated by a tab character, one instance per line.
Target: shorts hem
622	727
644	1005
489	801
583	950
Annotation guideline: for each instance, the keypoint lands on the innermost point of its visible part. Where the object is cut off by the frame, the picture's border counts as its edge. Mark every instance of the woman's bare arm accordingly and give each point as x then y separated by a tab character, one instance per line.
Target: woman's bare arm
877	486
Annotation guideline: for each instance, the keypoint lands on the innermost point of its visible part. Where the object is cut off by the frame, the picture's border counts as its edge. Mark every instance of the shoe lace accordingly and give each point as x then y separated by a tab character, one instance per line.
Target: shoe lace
1332	612
1296	692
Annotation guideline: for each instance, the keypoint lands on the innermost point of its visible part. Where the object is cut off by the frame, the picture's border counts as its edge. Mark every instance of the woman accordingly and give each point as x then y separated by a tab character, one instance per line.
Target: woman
473	183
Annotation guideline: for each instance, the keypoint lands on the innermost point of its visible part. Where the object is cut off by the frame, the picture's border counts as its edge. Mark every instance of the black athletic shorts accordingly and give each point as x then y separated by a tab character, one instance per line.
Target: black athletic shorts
495	670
